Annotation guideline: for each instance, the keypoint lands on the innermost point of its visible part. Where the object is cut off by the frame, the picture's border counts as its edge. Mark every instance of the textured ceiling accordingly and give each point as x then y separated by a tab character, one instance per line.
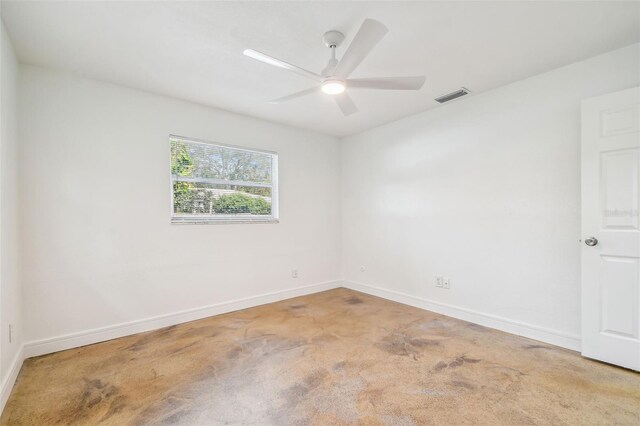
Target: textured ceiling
193	50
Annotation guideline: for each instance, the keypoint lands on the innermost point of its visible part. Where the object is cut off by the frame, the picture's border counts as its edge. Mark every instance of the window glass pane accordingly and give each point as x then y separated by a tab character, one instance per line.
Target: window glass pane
206	161
214	182
202	200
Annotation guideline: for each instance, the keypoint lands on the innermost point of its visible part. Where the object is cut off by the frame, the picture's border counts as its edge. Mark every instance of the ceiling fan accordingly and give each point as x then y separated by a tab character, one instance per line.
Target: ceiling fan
334	78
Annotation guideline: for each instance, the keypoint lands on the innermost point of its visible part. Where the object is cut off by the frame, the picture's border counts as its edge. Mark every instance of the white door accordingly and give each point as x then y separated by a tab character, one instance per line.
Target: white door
611	228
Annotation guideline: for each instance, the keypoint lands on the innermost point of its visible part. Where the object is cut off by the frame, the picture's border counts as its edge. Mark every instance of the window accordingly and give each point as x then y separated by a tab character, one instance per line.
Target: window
218	183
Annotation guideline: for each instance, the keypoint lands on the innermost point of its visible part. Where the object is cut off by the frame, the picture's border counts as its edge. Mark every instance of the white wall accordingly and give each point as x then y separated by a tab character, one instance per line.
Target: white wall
98	248
486	191
10	290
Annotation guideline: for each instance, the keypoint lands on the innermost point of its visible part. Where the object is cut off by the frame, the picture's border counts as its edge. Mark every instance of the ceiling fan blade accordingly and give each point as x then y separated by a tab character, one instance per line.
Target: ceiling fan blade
281	64
387	83
345	103
294	95
369	34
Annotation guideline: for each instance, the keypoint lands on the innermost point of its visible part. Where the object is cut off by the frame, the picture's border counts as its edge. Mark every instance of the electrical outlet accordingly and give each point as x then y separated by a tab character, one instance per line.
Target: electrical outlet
362	268
446	283
294	273
10	333
439	281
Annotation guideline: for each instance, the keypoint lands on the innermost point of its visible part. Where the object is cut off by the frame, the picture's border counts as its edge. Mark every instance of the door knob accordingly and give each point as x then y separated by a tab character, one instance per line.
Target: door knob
591	241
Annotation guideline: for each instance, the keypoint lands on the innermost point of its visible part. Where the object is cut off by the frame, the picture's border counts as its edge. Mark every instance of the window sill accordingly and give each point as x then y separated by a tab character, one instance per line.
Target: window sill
222	221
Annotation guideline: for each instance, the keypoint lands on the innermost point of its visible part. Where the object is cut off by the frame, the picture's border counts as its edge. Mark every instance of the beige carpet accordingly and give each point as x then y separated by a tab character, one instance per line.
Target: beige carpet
338	357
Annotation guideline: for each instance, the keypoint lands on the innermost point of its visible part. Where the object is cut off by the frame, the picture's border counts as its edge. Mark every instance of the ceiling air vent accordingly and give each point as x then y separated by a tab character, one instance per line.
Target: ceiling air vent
453	95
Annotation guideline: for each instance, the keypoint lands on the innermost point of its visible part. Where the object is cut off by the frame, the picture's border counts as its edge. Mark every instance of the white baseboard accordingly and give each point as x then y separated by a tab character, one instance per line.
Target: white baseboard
87	337
554	337
10	378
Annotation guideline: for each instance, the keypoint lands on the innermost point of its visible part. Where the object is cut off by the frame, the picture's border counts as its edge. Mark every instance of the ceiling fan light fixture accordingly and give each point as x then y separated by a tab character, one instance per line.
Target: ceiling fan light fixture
333	87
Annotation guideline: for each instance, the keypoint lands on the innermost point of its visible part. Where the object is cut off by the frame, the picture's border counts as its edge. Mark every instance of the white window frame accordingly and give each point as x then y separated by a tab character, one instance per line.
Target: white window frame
221	219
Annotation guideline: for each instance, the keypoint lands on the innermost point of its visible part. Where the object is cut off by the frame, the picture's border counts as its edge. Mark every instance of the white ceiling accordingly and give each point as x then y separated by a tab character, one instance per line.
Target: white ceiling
193	50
